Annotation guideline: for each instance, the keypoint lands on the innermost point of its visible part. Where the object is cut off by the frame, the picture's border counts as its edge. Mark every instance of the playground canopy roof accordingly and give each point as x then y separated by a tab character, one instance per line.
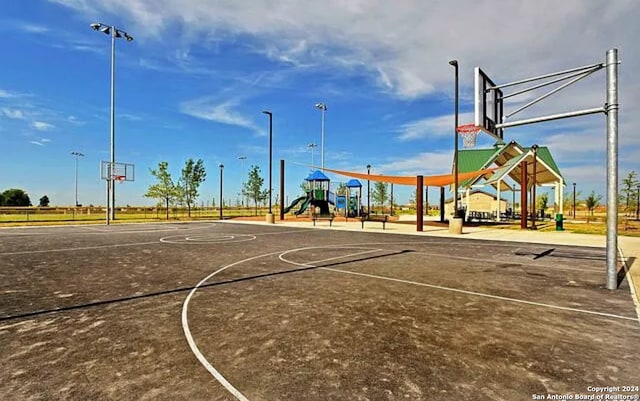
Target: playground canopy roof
353	183
317	176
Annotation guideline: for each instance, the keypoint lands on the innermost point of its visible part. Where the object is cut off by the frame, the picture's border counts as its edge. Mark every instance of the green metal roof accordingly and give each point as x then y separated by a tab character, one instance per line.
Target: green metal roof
473	160
476	159
503	171
545	155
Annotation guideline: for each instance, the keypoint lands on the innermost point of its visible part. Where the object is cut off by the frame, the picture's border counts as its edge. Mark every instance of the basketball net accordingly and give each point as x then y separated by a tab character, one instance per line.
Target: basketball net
469	134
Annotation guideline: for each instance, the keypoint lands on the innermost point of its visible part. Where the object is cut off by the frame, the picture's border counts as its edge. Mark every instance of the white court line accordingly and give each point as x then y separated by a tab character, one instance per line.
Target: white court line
235	392
503	261
283	232
337	257
185	314
192	344
82	248
479	294
632	286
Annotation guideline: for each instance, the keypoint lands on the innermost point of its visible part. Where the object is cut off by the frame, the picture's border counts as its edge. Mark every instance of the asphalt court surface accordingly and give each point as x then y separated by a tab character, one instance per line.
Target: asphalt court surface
229	311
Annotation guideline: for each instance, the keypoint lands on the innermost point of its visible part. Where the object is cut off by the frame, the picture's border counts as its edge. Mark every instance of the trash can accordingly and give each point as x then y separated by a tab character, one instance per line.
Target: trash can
559	220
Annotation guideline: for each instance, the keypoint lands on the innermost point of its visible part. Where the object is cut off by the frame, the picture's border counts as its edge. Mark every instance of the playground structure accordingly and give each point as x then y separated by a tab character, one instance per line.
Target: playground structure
317	195
320	197
353	204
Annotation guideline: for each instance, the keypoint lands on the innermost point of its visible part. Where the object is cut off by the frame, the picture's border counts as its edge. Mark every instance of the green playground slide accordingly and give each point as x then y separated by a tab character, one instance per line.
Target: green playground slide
303	207
293	204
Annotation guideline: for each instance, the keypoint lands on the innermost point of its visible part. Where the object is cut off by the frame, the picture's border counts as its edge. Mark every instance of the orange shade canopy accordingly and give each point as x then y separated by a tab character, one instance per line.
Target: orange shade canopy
429	180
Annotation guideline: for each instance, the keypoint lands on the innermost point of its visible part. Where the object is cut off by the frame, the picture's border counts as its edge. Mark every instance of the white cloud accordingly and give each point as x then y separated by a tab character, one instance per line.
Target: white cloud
223	113
33	28
431	126
40	141
423	163
405	47
15	114
41	126
6	94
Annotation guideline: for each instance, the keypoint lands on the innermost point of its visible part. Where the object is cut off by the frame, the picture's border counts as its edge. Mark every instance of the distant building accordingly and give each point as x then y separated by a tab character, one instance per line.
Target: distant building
478	201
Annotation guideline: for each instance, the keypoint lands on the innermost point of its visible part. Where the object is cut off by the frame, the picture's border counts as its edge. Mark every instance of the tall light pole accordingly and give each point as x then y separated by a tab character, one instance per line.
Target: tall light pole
242	159
638	203
221	199
114	33
77	154
368	190
323	109
312	146
574	200
270	114
454	63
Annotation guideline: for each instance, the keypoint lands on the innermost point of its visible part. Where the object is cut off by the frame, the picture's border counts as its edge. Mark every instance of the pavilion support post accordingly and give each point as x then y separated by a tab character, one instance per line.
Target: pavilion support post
441	204
419	203
282	190
498	201
534	183
523	195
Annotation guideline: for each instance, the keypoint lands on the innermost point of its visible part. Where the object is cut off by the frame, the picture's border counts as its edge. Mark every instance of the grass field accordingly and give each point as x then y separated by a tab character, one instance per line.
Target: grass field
583	224
20	216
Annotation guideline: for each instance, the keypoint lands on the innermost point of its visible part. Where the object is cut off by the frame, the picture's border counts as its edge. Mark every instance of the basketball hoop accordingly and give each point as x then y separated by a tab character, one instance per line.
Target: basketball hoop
119	178
469	133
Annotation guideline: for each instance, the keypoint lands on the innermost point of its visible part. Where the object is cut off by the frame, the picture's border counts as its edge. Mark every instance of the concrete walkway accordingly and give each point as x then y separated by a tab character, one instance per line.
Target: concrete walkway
629	247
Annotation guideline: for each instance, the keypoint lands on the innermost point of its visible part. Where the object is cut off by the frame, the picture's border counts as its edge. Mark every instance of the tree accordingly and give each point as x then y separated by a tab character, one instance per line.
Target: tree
342	189
1	199
164	190
193	174
629	189
380	193
543	201
44	201
305	186
253	187
16	197
592	201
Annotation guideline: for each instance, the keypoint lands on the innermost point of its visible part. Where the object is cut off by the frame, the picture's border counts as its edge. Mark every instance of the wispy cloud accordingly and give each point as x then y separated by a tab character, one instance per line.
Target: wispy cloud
422	163
15	114
4	94
40	141
431	127
41	125
223	113
74	120
33	28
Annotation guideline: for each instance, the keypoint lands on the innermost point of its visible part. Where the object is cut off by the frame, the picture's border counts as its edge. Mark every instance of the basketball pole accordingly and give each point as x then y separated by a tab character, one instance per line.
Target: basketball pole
612	169
454	63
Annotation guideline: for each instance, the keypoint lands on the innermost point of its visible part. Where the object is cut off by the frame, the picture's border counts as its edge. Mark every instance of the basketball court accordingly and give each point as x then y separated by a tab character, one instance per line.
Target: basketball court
228	311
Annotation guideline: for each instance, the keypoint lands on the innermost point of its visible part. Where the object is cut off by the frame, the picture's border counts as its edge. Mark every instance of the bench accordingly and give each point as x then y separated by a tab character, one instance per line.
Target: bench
315	216
481	216
383	218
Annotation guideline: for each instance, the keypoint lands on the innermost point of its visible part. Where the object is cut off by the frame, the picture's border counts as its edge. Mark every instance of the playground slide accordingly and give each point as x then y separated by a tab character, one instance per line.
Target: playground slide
293	204
303	207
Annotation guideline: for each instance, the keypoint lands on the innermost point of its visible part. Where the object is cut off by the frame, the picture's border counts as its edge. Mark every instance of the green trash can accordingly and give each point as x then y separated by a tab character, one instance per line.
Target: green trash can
559	220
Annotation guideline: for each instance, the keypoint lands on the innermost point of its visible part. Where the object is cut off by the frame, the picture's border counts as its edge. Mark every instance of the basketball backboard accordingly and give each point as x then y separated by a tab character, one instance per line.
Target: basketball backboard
488	104
117	171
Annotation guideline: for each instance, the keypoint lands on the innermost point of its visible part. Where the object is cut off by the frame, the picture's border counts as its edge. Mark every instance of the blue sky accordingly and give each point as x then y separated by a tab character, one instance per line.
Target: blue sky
196	78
